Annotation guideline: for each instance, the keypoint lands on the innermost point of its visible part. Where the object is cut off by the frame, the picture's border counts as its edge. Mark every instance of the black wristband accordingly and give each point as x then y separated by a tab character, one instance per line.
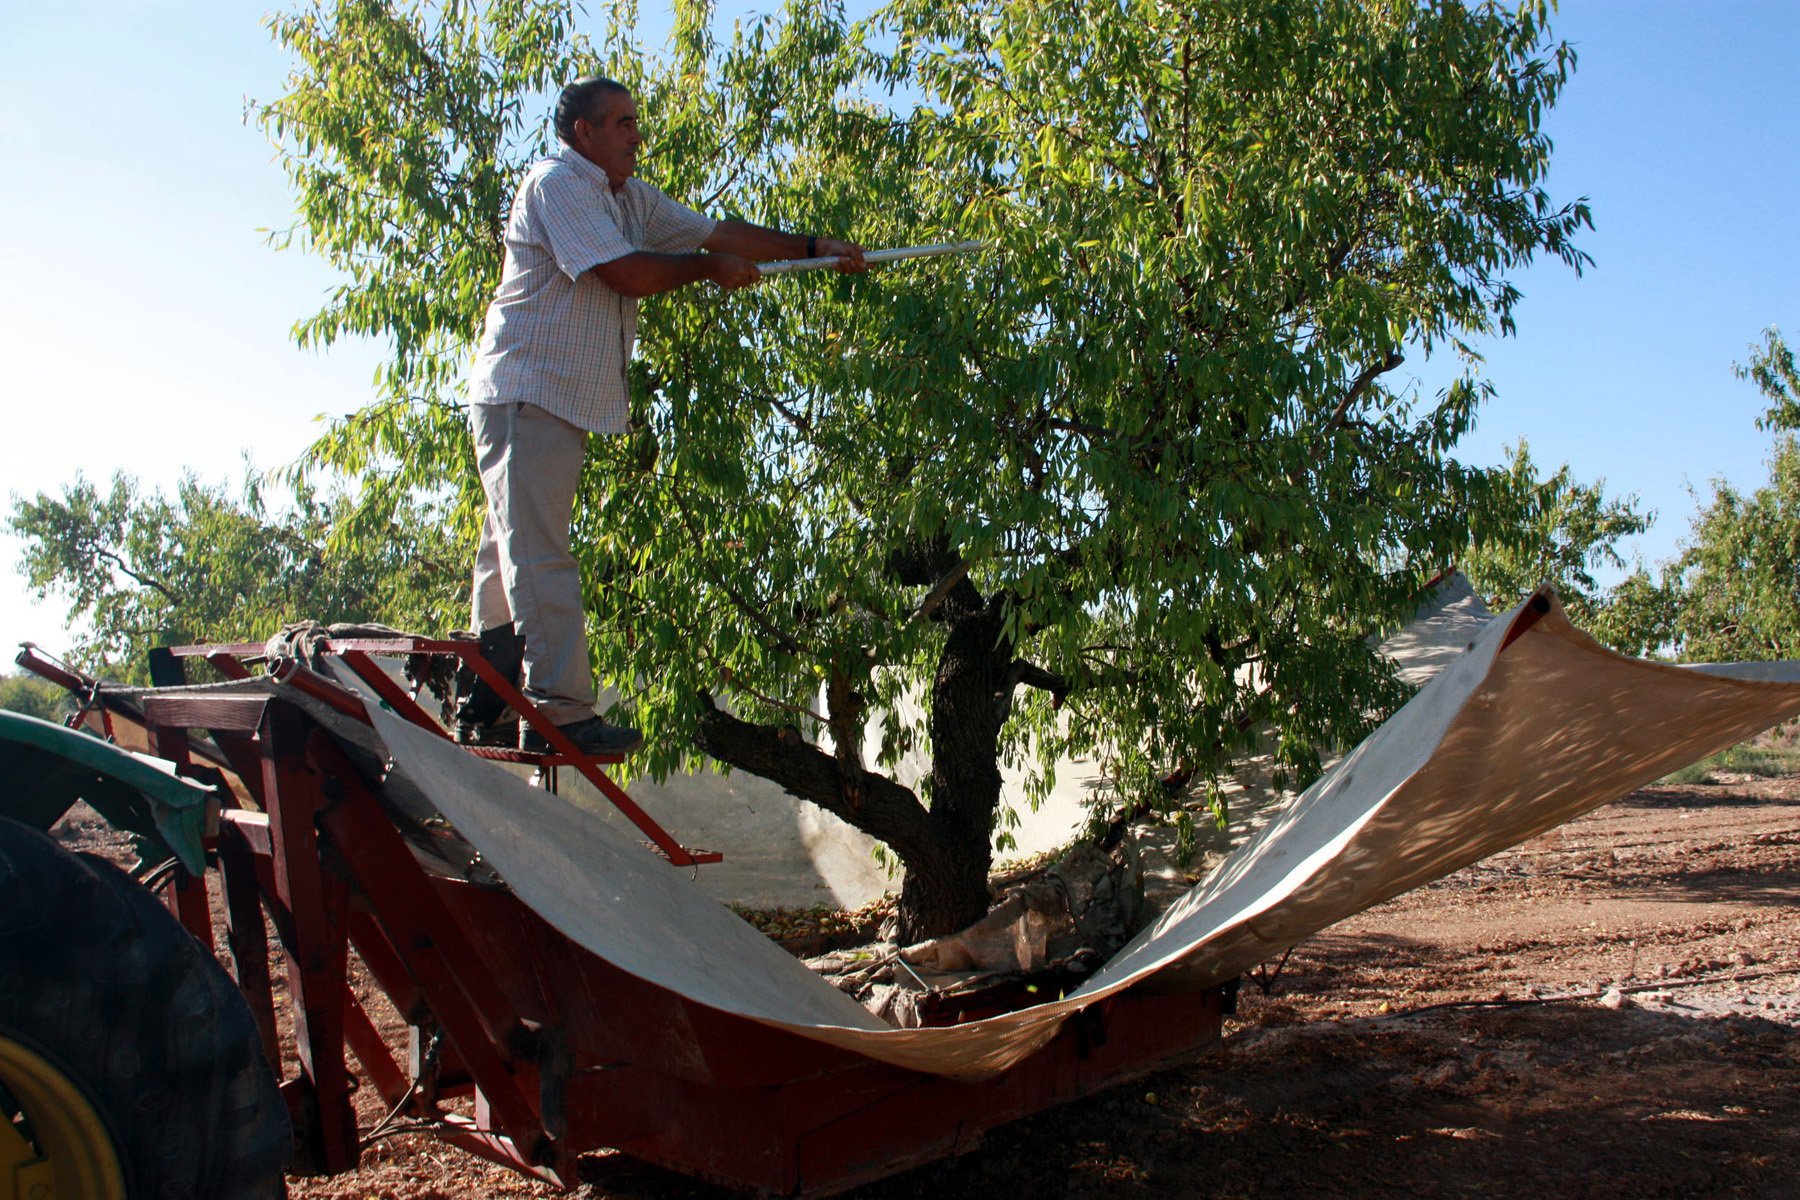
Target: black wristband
812	247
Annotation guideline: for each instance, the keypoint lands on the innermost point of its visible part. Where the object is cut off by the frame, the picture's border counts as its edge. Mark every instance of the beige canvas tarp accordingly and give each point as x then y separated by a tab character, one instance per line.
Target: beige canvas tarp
1528	726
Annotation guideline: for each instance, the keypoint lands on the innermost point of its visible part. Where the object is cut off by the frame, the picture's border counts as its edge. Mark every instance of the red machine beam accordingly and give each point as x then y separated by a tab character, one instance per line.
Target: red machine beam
228	665
186	897
371	1051
244	929
371	673
477	1017
464	1133
317	953
569	1053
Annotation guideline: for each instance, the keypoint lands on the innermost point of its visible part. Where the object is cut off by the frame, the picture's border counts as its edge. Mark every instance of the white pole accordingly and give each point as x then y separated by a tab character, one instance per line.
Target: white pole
789	265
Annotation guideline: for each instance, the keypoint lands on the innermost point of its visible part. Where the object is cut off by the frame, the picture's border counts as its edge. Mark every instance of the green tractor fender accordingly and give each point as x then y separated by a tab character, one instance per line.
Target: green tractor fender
45	768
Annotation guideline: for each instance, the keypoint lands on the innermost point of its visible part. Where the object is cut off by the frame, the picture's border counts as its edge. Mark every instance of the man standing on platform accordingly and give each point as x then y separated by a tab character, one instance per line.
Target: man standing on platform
584	241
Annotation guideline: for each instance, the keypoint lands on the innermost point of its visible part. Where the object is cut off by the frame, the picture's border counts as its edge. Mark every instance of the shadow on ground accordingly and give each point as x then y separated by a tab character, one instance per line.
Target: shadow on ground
1546	1100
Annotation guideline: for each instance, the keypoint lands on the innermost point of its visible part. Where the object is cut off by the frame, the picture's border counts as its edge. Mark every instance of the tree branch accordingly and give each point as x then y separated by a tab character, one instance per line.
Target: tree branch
1097	433
1031	675
1359	387
121	566
941	589
697	636
786	642
779	754
846	707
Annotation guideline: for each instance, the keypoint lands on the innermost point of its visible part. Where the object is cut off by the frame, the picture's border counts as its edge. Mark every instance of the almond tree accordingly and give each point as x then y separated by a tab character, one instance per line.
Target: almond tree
1132	483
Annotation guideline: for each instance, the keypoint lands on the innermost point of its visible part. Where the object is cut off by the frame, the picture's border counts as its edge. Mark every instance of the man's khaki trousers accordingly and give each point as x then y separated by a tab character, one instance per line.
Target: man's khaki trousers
530	463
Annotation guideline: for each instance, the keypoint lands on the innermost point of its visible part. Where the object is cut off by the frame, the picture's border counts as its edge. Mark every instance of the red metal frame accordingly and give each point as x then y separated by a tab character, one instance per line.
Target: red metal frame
230	658
31	656
561	1052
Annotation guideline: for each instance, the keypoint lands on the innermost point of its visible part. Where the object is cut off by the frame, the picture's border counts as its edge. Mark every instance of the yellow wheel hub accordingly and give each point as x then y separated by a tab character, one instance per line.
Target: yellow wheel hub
53	1144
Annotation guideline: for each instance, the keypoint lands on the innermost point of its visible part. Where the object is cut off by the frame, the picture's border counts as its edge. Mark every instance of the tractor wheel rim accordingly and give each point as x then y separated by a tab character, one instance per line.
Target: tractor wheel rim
69	1152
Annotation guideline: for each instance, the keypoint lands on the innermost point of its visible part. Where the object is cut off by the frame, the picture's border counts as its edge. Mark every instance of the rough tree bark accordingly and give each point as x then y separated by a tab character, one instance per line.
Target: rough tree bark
967	698
947	846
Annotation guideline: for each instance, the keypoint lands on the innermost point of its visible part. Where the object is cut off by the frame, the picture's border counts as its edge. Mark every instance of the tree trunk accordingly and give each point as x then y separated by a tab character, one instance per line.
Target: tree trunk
947	889
946	885
946	849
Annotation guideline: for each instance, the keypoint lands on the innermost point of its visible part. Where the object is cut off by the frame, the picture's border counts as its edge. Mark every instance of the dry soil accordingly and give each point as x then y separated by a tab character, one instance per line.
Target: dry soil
1610	1010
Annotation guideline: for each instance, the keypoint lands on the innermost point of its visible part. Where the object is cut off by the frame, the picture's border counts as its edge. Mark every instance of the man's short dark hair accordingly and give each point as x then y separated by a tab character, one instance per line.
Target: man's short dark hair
579	100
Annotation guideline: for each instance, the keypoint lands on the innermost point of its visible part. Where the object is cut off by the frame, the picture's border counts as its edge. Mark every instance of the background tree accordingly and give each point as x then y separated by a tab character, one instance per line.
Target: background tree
1557	531
1130	485
33	696
1637	614
1736	586
139	571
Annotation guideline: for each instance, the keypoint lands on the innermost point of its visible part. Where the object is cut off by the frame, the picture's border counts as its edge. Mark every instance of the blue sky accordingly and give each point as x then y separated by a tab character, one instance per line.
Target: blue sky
146	322
1682	125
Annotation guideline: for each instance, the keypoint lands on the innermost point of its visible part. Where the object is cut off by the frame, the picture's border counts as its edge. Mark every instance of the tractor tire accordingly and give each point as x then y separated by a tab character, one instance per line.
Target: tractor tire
129	1061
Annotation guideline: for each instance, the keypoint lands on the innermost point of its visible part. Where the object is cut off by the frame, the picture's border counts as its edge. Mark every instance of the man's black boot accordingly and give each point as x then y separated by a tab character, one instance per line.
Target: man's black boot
480	709
591	735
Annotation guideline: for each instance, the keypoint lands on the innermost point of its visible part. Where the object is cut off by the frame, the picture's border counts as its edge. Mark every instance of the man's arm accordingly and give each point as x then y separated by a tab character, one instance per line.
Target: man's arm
646	273
729	260
760	242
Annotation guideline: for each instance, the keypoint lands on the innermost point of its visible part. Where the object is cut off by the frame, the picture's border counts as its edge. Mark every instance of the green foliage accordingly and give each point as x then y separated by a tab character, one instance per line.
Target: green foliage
1737	580
33	696
1558	531
1765	757
403	133
1772	370
1636	615
1734	591
139	571
1150	431
1152	422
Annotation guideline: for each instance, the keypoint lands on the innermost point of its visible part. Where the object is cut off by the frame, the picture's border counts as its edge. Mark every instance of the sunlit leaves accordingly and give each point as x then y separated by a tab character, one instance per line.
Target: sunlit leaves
1154	423
1554	530
403	130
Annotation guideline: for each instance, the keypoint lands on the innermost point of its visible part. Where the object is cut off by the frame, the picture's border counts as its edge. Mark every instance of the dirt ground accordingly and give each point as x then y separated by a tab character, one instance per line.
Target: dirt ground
1610	1010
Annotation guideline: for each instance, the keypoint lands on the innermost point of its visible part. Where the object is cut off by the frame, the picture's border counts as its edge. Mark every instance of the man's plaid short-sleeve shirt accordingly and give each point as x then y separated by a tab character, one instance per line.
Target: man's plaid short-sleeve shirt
556	336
